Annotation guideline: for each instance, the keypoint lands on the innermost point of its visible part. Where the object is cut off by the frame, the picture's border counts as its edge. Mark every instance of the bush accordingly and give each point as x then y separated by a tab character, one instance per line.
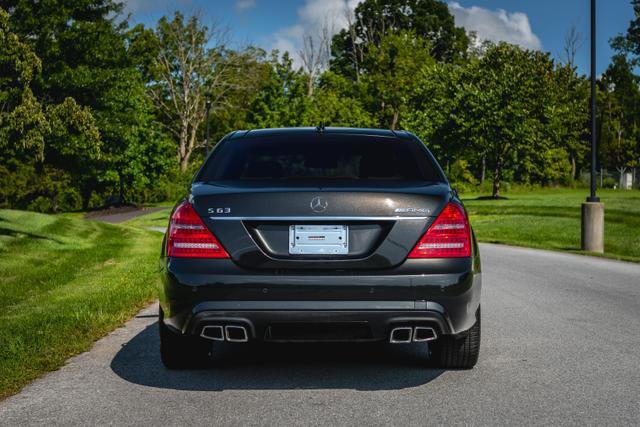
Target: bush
609	182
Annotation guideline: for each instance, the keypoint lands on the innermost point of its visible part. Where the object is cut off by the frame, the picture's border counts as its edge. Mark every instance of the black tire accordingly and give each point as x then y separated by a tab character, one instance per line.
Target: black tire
182	352
449	352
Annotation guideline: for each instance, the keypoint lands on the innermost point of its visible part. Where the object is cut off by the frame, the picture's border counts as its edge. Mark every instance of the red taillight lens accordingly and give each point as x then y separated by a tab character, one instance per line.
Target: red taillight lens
190	238
448	237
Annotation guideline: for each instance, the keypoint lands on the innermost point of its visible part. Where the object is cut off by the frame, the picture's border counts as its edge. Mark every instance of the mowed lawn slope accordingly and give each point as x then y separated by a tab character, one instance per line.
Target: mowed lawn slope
64	283
550	219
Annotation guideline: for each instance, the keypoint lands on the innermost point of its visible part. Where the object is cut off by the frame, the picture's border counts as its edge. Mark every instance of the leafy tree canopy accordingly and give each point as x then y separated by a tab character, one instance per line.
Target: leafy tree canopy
429	20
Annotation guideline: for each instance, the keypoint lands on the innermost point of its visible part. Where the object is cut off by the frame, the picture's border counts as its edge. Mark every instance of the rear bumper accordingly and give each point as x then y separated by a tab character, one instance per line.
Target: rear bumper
287	321
362	306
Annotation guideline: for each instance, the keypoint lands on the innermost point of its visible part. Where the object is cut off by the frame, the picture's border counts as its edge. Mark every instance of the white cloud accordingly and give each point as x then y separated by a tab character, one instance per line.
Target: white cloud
312	17
288	40
496	26
244	5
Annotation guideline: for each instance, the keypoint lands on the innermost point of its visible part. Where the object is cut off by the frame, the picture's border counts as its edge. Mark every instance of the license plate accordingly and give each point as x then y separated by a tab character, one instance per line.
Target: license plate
318	239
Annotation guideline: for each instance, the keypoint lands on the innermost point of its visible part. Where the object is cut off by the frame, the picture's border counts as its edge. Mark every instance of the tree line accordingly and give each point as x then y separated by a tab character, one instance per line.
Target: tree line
94	110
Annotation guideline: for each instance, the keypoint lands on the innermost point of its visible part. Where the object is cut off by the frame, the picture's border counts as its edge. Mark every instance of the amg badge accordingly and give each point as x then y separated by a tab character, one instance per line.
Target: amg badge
425	211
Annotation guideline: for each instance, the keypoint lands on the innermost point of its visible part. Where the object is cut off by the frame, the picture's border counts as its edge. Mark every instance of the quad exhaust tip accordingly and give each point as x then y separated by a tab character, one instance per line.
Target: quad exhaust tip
423	334
401	335
236	333
213	332
407	334
231	333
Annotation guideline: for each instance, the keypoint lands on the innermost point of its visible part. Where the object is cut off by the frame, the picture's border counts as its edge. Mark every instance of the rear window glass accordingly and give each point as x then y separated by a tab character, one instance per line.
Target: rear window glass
320	158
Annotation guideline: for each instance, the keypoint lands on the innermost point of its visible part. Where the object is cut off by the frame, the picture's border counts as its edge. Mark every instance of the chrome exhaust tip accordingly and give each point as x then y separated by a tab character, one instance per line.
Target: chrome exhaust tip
401	335
213	332
236	333
423	334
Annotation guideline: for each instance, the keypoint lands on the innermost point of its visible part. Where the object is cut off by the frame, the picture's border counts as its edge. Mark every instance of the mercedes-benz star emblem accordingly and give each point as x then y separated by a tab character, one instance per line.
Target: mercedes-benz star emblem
318	204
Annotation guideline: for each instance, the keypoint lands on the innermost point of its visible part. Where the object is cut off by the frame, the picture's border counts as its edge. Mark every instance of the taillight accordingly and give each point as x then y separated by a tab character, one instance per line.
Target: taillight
190	238
448	237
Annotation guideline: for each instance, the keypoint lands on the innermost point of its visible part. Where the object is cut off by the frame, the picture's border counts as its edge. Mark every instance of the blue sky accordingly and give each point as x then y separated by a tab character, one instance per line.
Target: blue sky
539	24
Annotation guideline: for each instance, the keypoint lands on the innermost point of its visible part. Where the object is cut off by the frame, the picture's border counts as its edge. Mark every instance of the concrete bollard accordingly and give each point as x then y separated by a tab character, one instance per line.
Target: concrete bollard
593	227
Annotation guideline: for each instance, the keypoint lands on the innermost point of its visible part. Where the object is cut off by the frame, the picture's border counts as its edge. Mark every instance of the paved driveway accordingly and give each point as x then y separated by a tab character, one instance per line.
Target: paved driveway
561	345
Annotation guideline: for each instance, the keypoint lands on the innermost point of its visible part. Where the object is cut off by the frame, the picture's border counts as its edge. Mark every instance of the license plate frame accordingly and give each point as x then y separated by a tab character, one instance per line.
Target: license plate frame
308	239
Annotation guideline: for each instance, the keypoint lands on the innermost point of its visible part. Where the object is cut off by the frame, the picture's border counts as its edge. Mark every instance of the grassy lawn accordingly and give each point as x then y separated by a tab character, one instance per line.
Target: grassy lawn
155	219
66	282
550	219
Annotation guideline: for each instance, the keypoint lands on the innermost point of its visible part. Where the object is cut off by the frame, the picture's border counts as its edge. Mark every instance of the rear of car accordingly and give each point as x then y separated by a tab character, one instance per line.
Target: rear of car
306	235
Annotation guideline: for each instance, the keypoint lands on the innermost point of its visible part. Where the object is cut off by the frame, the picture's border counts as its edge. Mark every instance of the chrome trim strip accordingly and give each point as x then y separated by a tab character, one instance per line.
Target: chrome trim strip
316	218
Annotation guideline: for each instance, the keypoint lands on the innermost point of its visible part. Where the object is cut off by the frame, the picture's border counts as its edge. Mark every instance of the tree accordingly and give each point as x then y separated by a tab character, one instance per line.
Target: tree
625	84
502	110
23	124
434	116
629	43
337	103
32	134
193	64
620	116
568	115
88	57
282	100
315	53
573	41
390	74
375	19
250	76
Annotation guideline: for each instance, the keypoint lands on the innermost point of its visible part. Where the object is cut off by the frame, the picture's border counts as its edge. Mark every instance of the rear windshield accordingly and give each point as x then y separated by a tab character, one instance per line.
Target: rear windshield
320	158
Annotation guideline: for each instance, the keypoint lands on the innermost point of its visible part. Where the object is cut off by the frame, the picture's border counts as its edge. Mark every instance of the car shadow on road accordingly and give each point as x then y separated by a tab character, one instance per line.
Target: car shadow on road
280	366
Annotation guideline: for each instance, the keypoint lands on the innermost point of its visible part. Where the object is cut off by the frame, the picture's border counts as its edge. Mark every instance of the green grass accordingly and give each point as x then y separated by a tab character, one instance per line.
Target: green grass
66	282
550	219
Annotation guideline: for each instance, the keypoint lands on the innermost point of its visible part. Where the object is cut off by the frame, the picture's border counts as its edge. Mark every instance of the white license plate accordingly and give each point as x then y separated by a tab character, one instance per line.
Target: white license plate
318	239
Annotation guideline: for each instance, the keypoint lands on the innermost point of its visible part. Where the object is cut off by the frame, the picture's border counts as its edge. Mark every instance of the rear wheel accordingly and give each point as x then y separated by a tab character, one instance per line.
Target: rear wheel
450	352
182	351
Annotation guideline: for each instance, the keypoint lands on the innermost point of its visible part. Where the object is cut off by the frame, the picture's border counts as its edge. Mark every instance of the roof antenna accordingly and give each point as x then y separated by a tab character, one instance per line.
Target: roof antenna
320	127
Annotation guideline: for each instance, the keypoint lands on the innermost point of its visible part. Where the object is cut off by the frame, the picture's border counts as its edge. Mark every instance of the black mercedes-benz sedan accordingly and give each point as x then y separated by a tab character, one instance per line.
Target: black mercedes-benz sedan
320	235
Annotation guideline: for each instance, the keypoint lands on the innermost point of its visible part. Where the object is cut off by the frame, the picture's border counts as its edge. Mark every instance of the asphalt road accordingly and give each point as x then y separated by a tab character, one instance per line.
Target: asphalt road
118	215
560	345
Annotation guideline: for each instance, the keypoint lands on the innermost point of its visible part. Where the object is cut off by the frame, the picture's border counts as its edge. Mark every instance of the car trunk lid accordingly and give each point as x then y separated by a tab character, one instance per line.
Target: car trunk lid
257	224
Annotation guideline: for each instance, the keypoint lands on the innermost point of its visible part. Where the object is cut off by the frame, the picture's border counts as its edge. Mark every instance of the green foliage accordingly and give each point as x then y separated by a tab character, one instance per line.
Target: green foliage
511	110
373	20
282	98
397	59
73	132
629	43
77	114
282	101
619	101
431	118
619	115
23	124
193	68
334	103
